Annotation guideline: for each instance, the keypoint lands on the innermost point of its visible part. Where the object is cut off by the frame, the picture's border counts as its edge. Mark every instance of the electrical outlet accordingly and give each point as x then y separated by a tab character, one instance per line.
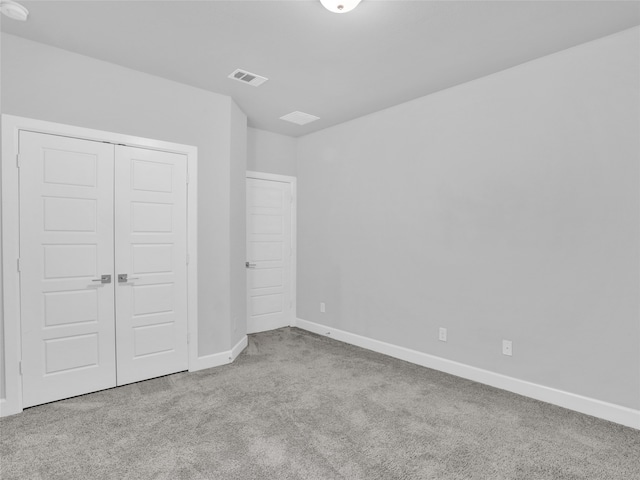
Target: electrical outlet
507	348
322	307
442	335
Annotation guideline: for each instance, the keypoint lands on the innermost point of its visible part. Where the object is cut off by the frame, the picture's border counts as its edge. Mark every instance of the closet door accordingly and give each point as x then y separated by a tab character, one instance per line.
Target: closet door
151	254
66	246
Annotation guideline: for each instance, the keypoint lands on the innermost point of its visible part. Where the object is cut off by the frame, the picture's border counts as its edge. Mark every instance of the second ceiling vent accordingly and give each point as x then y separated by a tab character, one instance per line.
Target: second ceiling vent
248	77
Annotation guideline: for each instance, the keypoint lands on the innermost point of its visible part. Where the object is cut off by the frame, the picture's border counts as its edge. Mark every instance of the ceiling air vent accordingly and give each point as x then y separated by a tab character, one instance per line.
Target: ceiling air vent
299	118
248	77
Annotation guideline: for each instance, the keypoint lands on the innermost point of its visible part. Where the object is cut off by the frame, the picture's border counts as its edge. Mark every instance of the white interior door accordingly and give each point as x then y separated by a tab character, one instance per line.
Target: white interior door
151	249
66	244
269	255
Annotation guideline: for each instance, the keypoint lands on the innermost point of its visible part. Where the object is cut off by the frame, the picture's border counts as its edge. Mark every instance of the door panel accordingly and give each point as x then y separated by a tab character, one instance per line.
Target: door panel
269	243
151	248
66	242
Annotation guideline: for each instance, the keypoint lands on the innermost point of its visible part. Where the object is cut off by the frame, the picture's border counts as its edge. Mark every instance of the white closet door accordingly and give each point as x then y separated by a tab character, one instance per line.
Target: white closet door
269	274
66	244
151	249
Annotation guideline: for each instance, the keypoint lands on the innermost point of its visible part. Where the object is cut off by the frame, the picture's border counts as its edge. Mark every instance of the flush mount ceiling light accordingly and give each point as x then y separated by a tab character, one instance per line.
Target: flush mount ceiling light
299	118
14	10
340	6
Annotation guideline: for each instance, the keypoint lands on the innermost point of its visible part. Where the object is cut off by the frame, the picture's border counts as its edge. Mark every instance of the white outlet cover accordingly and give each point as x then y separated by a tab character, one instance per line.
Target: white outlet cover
507	347
442	335
322	307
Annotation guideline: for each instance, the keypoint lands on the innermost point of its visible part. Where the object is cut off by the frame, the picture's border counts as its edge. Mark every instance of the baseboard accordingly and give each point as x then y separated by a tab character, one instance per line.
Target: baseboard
596	408
239	347
8	408
219	359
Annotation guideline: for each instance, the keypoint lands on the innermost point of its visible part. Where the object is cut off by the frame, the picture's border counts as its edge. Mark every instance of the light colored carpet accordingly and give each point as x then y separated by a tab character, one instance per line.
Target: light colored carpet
299	406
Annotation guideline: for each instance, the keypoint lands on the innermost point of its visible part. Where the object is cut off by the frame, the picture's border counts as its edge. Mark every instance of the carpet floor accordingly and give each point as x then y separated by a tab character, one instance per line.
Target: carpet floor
295	405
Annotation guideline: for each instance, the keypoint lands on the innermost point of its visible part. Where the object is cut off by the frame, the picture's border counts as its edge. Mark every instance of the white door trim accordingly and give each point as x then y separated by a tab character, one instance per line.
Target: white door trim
294	230
11	127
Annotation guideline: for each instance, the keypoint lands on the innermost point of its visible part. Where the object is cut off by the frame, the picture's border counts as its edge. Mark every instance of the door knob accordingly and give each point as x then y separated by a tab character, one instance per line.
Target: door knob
249	265
124	278
103	279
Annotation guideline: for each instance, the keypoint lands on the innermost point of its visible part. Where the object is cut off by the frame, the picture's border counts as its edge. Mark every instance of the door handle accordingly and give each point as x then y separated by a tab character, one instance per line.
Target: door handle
249	265
124	278
103	279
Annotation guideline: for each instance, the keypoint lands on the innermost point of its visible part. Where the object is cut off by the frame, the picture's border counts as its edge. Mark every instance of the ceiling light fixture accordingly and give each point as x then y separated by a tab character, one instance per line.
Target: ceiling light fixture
14	10
340	6
299	118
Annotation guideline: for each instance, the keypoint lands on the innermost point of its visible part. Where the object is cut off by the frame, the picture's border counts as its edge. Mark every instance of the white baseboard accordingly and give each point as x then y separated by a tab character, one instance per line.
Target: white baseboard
590	406
9	408
219	359
239	347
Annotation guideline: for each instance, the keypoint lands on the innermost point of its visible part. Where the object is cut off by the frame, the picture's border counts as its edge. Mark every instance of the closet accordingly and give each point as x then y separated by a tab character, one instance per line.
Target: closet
103	265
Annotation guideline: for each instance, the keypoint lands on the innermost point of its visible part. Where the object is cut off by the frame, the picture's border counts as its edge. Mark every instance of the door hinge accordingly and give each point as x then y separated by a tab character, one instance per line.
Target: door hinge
187	259
18	160
18	264
188	178
20	367
188	339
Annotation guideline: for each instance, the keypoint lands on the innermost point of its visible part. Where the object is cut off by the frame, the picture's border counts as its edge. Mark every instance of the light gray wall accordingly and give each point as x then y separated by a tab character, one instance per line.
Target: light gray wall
238	279
46	83
504	208
269	152
2	350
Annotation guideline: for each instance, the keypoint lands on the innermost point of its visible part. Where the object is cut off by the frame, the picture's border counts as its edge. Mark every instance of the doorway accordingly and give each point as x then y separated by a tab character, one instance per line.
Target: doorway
271	255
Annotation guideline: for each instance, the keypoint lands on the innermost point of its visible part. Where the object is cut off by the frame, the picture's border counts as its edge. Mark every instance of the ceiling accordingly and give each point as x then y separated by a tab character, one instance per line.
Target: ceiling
335	66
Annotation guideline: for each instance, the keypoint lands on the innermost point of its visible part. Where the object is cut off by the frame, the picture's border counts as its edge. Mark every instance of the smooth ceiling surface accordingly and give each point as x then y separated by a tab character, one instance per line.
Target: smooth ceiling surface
337	67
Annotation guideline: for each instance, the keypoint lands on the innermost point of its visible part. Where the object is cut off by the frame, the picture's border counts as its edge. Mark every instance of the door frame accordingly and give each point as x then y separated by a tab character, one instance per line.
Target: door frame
294	234
10	278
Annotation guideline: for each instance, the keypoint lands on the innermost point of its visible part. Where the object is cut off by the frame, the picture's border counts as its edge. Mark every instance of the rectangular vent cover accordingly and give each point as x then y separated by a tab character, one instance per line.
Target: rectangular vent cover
299	118
248	77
